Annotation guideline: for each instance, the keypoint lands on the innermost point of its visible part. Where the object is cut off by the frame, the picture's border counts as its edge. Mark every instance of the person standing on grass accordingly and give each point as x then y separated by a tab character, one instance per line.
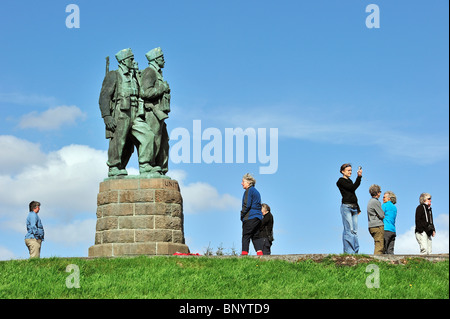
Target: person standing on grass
375	215
266	229
35	230
390	214
349	208
251	216
424	224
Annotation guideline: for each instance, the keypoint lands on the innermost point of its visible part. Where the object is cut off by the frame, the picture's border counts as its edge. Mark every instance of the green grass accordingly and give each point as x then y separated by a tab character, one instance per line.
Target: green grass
224	278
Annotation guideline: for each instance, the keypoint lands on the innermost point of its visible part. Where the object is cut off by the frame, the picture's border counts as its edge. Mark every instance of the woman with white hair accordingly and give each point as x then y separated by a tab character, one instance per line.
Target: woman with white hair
390	214
251	215
424	224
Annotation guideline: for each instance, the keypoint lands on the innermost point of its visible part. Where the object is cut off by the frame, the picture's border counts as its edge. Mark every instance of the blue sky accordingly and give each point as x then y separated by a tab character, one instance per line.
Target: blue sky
335	90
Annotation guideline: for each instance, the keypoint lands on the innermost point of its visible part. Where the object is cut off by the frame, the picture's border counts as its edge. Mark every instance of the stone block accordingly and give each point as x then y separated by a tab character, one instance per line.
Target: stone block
104	186
176	210
171	248
107	223
125	209
168	196
134	249
99	212
118	236
104	250
98	237
136	222
158	183
151	209
177	237
156	235
167	222
124	183
108	197
137	196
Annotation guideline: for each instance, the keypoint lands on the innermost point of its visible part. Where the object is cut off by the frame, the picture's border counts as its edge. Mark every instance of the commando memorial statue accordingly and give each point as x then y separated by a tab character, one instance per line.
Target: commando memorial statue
134	105
143	214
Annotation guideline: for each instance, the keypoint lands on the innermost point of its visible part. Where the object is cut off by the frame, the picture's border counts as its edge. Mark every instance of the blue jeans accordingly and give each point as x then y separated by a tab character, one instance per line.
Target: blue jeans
350	234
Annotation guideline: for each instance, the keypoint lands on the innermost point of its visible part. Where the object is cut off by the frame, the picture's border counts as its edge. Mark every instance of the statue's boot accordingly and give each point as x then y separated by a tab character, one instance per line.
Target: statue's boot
115	171
149	171
145	168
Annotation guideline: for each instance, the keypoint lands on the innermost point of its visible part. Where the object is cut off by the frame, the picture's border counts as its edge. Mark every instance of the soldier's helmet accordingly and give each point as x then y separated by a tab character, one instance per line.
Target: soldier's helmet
153	54
123	54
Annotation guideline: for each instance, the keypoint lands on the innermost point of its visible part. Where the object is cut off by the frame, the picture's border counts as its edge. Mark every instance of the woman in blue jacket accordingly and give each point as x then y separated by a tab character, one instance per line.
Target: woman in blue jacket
251	215
390	214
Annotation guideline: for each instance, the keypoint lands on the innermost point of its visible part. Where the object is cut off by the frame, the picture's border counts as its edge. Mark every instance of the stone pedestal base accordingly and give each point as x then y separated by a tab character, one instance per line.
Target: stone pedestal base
138	216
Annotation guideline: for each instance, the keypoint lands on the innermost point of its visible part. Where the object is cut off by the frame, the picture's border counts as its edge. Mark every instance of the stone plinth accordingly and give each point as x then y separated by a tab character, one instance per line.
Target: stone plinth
138	216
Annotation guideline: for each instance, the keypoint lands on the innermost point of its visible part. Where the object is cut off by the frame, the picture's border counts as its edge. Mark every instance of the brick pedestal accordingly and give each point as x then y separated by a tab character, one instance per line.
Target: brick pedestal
138	216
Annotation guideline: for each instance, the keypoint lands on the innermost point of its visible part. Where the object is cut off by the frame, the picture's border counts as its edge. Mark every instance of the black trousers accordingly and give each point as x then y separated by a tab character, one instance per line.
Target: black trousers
389	242
266	245
250	231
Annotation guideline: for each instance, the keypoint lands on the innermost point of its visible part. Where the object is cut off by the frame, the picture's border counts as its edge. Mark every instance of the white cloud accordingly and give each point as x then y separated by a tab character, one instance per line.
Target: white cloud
337	128
421	148
6	254
65	182
53	118
200	197
71	234
18	153
27	99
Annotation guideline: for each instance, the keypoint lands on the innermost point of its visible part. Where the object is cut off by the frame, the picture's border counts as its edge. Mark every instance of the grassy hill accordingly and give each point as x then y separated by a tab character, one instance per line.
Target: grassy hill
178	277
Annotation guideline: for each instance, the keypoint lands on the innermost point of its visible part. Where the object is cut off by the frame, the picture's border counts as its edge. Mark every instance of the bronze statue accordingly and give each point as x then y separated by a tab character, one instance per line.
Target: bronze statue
134	105
155	93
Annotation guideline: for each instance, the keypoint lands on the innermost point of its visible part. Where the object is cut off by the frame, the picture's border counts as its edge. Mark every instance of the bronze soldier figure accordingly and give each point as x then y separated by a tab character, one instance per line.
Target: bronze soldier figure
134	105
118	101
155	93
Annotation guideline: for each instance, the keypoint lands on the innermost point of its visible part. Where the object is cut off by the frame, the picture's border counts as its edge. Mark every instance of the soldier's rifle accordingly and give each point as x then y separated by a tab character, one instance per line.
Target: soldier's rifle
107	65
